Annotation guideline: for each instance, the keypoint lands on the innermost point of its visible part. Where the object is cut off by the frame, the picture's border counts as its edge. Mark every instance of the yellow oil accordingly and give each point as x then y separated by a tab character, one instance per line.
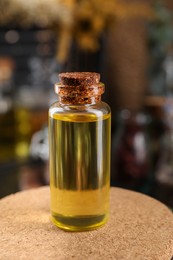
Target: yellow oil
79	170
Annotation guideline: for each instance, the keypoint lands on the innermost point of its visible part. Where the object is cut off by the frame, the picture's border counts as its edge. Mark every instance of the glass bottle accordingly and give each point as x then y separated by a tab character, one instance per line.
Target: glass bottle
79	140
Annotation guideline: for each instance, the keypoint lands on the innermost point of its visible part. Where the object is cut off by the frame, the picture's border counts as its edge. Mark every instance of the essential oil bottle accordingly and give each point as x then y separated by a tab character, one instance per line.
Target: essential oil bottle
79	143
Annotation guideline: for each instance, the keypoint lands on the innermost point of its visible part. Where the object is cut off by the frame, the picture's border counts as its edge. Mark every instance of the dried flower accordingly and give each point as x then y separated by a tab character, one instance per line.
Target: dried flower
80	20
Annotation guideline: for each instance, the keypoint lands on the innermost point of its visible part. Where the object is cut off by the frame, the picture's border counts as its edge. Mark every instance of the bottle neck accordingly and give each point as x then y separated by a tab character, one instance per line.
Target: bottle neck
79	95
79	100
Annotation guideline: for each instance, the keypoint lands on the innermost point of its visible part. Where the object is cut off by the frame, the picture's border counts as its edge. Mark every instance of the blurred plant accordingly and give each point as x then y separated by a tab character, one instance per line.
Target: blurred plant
81	20
160	37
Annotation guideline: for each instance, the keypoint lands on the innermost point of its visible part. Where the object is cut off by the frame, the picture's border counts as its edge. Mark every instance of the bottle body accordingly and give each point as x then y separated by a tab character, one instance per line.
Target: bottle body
79	165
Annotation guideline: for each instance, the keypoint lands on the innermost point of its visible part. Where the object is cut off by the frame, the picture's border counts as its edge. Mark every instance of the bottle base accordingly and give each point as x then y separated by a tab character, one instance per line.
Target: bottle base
79	223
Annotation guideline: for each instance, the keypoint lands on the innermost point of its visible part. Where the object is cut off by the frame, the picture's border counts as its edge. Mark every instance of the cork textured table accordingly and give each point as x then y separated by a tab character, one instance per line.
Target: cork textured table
139	227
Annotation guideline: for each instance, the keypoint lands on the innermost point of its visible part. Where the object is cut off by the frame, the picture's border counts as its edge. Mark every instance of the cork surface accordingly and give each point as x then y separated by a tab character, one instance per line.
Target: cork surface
139	227
79	78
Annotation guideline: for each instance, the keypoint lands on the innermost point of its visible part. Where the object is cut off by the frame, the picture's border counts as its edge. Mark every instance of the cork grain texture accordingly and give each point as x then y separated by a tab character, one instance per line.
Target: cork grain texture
79	78
139	228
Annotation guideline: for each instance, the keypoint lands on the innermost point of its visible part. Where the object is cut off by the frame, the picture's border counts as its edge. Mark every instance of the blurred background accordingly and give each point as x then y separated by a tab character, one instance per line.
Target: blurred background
130	43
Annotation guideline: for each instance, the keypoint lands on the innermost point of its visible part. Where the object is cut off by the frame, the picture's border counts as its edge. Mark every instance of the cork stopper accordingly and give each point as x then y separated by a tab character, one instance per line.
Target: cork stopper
79	78
79	87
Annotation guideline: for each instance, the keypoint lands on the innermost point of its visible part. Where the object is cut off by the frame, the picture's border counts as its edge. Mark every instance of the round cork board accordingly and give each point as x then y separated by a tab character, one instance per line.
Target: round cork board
139	227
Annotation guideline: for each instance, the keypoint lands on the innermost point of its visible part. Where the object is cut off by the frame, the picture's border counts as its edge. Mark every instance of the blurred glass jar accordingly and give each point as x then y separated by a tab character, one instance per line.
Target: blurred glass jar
31	103
30	116
130	152
35	172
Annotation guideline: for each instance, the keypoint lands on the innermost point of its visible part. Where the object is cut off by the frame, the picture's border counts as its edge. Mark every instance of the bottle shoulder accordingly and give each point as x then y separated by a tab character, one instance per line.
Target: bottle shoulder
58	107
95	111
